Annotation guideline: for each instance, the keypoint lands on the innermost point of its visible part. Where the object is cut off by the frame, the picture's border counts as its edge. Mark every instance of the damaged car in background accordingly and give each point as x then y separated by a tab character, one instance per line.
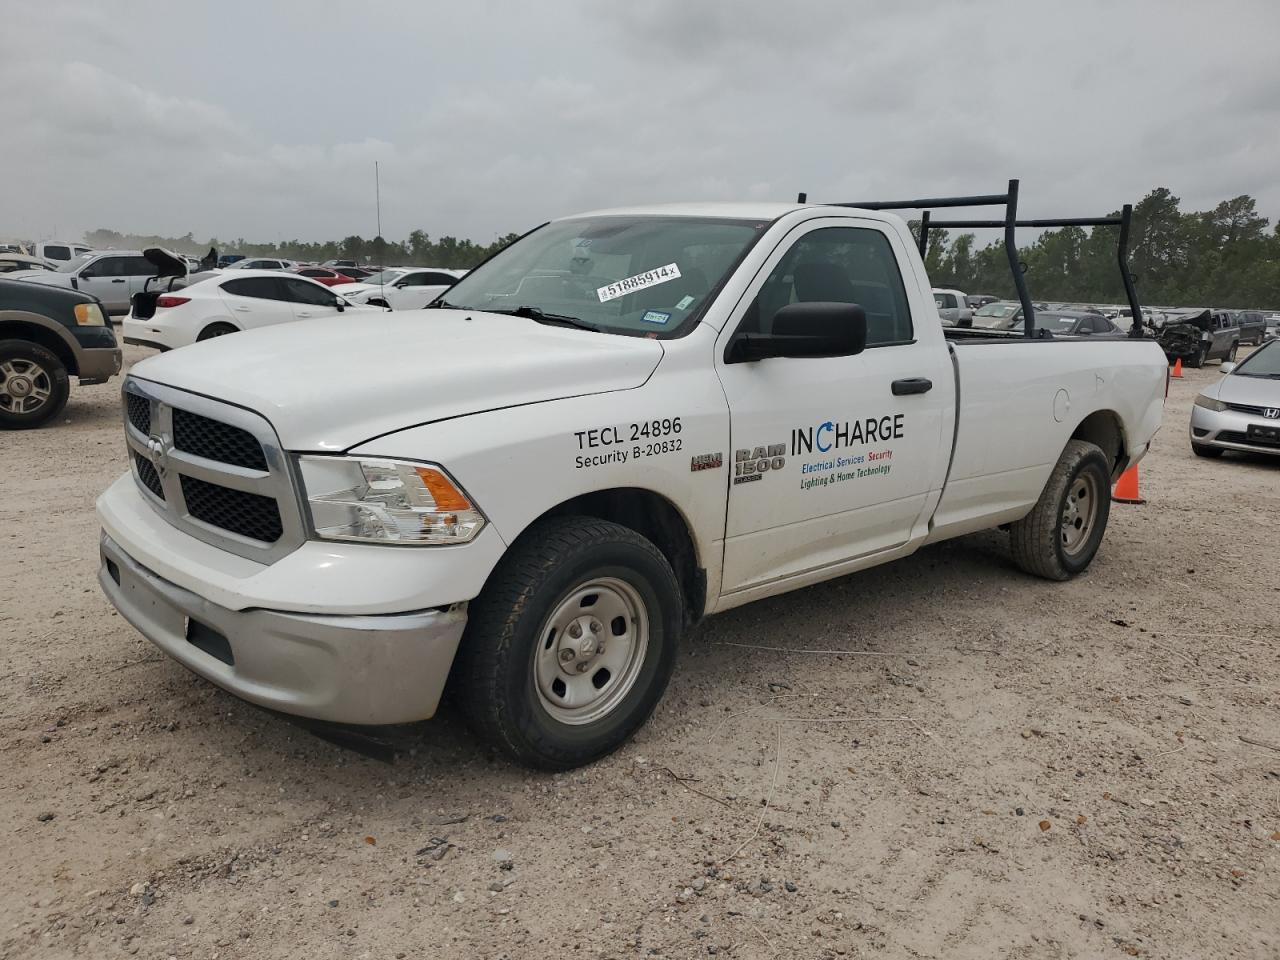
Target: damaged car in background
1197	336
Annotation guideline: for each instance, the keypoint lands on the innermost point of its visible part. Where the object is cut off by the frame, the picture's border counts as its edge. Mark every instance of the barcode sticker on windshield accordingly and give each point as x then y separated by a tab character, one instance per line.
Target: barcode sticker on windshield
641	281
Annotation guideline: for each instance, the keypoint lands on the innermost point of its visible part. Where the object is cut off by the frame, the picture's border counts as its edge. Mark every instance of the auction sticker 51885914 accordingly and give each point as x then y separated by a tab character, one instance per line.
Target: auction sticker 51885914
627	442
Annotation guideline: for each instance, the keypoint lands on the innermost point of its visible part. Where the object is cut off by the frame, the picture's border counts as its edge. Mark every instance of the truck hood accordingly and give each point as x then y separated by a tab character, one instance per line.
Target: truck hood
334	383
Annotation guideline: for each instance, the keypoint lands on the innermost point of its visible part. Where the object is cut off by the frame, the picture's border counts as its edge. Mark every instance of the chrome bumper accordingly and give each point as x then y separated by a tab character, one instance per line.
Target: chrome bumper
381	669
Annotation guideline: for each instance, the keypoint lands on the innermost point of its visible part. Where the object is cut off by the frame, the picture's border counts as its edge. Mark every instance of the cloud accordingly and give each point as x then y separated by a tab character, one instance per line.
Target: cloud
497	117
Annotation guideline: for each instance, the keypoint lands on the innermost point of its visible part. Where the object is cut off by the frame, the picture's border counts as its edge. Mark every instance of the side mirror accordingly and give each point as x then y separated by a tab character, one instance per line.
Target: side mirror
805	330
1227	367
340	304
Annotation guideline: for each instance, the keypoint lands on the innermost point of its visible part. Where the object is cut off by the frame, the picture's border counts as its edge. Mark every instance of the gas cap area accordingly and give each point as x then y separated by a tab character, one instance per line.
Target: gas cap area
1061	405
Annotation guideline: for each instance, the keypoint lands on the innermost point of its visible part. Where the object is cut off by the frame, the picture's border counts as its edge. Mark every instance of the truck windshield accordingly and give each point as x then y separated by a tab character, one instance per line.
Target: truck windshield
638	275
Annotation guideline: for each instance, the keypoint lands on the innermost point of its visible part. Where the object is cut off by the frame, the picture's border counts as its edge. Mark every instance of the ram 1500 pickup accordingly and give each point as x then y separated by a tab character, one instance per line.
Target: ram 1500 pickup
621	423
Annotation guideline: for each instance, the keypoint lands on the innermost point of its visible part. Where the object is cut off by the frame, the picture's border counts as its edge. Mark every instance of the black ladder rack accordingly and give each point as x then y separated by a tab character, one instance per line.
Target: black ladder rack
1010	223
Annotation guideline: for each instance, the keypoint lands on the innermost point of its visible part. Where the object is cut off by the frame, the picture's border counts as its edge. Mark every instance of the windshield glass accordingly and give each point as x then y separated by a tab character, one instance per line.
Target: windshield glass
383	276
75	263
996	316
636	275
1263	362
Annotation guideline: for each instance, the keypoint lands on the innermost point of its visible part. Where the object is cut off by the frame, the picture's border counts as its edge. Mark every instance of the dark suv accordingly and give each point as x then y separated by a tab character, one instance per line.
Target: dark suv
47	335
1253	326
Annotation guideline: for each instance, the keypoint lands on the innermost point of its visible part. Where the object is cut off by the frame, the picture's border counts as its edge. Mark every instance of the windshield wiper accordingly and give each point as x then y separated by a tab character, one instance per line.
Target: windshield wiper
553	319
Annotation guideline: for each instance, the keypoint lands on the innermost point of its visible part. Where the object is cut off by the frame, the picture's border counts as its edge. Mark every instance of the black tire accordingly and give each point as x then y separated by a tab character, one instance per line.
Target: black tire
379	302
1203	450
1200	359
26	369
494	674
216	330
1231	354
1038	539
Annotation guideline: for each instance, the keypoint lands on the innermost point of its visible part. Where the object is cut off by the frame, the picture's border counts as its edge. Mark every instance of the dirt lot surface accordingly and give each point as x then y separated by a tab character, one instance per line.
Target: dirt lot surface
995	766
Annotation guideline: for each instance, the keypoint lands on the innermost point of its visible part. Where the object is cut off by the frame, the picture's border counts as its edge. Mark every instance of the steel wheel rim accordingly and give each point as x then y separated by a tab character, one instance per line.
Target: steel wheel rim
1079	513
25	386
590	650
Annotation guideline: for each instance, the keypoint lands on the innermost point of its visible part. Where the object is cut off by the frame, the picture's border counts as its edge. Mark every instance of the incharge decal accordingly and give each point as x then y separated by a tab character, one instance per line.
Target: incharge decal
839	451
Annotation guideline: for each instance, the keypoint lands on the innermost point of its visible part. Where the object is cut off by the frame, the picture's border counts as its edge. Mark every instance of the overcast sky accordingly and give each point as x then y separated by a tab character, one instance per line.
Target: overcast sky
263	120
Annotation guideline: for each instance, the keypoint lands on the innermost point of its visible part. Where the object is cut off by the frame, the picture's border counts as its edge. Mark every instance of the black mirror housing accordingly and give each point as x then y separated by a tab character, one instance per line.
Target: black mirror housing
815	329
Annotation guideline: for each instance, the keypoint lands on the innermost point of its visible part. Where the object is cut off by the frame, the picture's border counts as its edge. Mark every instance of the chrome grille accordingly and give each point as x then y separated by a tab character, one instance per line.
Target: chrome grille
213	440
147	474
1247	408
138	409
248	514
213	470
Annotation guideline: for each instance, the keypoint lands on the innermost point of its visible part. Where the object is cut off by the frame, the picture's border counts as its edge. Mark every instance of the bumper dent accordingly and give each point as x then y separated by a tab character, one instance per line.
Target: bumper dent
376	669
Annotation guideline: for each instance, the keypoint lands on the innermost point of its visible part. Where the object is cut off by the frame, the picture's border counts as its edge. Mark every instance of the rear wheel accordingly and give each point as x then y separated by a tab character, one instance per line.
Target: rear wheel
1060	536
34	385
216	330
1231	354
1204	450
571	643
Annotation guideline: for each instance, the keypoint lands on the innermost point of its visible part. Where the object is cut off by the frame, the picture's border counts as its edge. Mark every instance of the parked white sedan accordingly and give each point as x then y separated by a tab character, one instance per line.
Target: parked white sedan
228	303
412	290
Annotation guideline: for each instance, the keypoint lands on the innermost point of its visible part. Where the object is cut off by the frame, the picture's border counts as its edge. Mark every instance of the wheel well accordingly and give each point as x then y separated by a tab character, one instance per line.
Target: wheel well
1104	429
217	323
656	519
17	330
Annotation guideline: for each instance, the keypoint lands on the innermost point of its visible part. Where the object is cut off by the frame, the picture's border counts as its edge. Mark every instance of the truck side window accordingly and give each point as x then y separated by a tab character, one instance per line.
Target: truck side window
839	265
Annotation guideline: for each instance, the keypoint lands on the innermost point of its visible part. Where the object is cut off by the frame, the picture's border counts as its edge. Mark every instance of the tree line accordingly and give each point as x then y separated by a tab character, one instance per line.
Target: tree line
1224	257
418	250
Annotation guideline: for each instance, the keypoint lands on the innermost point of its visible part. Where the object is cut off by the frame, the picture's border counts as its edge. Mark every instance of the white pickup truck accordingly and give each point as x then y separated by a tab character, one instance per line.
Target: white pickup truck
622	423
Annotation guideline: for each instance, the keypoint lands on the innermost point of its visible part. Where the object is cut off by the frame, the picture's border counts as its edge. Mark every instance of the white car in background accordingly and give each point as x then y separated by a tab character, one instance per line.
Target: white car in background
229	302
383	278
261	263
412	290
953	307
113	276
59	250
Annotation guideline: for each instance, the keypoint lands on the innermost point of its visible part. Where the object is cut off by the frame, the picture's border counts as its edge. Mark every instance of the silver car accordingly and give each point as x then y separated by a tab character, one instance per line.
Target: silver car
1242	410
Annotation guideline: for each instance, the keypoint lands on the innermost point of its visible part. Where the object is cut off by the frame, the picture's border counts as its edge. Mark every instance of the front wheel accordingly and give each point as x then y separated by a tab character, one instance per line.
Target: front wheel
1060	536
1201	357
34	386
571	643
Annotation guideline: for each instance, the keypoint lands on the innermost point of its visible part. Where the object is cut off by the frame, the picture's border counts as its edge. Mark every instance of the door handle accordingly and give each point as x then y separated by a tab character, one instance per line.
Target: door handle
120	280
304	313
241	309
902	388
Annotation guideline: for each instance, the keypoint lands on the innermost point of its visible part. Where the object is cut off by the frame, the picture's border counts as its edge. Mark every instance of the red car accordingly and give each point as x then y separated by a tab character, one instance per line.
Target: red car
323	275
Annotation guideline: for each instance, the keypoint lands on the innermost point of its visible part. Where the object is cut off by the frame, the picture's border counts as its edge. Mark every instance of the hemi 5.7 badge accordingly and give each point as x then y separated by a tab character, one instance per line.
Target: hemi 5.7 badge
706	461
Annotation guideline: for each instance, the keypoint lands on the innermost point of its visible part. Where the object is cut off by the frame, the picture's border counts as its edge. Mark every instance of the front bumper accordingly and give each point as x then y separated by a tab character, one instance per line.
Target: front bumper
377	669
98	364
1229	430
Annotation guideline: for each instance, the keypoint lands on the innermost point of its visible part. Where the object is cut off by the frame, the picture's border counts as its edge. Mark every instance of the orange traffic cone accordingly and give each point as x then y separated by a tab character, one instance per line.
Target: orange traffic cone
1177	368
1127	487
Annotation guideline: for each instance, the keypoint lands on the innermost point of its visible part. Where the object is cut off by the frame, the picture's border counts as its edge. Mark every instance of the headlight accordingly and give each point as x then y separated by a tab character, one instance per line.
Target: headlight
1209	403
89	315
386	501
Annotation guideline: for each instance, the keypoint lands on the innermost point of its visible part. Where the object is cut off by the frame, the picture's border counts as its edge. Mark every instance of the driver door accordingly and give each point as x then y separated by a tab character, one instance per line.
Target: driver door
833	459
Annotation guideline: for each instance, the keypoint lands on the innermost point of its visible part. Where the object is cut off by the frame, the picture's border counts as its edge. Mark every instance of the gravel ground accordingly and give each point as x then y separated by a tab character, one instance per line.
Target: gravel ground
996	766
